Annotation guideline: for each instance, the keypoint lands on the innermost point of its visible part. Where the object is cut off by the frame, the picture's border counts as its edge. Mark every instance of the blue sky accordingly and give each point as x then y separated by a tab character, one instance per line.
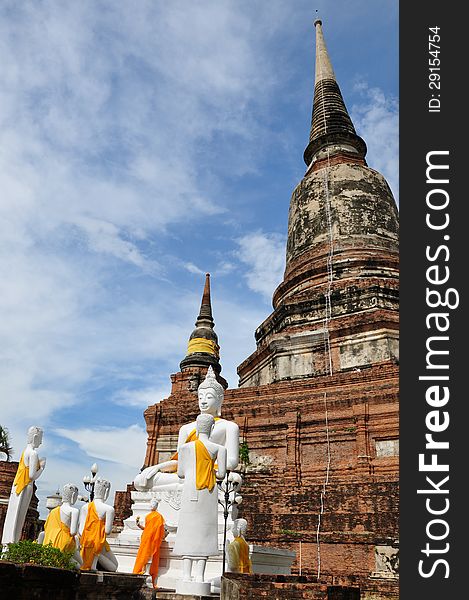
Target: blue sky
142	145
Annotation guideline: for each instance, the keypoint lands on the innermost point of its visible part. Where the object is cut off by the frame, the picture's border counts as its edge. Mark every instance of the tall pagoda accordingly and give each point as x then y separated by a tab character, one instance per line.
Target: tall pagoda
317	402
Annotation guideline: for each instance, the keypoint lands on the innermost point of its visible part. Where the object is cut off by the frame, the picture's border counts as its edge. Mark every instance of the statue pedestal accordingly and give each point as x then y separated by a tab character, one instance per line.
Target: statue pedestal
275	561
192	588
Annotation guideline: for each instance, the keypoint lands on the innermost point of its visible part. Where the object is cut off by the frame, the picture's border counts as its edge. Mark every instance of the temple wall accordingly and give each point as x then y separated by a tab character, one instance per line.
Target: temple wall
284	425
252	587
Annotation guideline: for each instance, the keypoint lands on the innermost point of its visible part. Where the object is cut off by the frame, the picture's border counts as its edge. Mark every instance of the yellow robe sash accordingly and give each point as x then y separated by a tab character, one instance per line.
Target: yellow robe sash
205	467
239	550
93	538
150	543
22	476
190	438
57	533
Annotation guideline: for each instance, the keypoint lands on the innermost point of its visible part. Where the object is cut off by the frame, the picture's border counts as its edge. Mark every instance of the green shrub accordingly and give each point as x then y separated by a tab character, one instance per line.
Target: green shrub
289	533
244	453
37	554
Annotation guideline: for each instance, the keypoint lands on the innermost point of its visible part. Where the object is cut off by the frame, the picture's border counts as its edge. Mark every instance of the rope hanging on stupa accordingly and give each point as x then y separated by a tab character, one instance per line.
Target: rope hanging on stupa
321	52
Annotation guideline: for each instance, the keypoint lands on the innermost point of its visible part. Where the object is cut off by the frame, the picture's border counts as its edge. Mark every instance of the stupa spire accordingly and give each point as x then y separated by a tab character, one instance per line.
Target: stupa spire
203	349
324	68
205	313
331	125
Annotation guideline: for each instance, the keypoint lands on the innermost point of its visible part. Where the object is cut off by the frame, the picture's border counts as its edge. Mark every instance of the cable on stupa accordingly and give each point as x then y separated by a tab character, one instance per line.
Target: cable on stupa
327	298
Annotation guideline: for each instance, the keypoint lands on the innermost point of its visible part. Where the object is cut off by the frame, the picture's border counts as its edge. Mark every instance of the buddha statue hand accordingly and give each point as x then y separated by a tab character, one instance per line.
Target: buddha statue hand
142	481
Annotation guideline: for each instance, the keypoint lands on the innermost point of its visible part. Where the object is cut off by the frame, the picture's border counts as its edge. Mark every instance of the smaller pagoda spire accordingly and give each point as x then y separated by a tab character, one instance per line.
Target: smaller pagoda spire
205	313
331	124
203	349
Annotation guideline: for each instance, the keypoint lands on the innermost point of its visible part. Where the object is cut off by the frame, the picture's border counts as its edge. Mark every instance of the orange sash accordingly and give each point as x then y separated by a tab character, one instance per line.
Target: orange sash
241	549
190	438
150	543
205	467
93	538
22	476
57	533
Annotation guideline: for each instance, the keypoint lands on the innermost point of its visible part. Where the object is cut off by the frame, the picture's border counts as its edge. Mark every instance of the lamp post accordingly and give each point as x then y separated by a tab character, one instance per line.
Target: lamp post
89	482
227	487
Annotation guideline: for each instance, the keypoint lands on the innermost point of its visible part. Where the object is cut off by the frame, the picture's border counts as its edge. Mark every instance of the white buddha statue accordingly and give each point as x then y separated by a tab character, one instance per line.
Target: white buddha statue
163	476
237	552
29	469
96	520
197	534
61	525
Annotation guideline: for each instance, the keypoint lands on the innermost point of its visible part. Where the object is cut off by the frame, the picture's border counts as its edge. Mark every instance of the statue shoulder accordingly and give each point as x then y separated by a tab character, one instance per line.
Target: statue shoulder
67	511
104	505
229	425
27	453
187	427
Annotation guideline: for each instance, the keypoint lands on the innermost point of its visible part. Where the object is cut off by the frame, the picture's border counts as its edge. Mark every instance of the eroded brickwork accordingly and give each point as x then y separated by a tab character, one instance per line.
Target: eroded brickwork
256	587
253	587
122	507
284	425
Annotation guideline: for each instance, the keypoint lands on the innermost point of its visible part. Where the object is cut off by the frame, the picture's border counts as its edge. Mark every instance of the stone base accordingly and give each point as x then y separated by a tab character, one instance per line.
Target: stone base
26	581
259	587
275	561
193	588
125	546
164	595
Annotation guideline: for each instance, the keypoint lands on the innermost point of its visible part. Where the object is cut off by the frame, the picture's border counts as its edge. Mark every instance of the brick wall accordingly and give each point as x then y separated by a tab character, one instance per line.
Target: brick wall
26	581
122	507
285	422
236	586
271	587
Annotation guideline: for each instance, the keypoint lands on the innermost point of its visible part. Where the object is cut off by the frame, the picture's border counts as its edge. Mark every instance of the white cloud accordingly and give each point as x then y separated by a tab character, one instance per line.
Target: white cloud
377	121
264	254
101	131
118	445
224	268
105	237
193	268
142	397
104	137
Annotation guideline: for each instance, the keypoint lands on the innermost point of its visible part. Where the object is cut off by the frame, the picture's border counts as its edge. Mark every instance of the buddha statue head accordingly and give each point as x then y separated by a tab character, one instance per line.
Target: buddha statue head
239	527
205	423
35	436
69	493
102	487
210	394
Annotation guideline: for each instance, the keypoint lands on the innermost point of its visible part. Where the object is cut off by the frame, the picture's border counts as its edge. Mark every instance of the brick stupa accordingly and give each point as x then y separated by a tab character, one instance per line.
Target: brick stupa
317	402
